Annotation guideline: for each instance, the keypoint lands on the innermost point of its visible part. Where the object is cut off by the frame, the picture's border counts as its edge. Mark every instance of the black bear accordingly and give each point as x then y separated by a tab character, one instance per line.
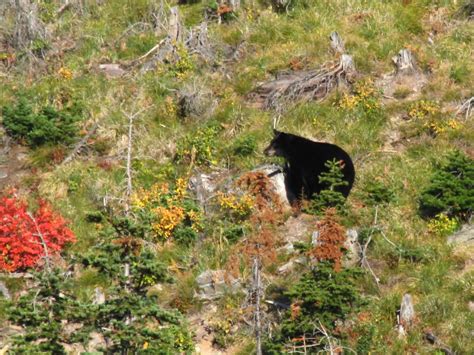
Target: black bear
306	160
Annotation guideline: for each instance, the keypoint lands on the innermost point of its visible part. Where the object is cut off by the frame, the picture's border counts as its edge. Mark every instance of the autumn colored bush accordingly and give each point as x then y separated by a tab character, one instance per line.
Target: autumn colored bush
26	237
330	246
166	209
267	213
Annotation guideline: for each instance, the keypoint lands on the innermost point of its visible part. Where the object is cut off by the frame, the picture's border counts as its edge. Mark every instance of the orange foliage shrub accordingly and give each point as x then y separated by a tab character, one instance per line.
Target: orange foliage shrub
331	239
267	213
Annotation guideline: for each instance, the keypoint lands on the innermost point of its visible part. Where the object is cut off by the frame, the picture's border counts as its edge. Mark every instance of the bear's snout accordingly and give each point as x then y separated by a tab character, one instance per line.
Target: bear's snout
269	151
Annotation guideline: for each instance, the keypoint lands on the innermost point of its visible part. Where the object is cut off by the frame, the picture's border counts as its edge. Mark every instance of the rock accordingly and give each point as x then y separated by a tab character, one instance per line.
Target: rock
465	236
291	265
112	70
70	328
297	229
213	284
99	297
154	289
74	349
8	332
3	174
352	245
352	257
4	291
96	341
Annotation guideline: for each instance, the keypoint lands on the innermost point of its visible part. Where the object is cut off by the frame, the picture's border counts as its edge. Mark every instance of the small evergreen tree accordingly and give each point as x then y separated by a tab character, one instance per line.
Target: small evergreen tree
451	190
41	312
321	294
129	318
47	126
330	196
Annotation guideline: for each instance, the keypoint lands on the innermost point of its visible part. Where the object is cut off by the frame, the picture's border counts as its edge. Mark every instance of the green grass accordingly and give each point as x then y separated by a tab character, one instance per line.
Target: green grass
373	32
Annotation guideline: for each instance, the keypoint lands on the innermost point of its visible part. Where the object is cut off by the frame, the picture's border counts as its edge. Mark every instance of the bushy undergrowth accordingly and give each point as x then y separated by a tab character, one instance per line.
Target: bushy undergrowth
44	126
168	236
451	189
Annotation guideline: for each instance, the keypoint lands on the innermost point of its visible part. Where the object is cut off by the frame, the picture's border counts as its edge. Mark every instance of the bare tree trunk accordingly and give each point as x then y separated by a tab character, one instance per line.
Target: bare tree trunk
175	30
257	290
28	26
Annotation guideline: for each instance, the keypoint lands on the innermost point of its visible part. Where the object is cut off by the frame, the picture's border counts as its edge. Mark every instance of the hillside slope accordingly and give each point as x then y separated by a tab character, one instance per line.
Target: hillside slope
143	124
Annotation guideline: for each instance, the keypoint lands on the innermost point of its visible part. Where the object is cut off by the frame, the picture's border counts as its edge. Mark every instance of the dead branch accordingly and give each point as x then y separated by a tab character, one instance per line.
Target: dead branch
194	40
364	261
81	144
43	242
306	86
466	108
63	8
258	290
128	192
159	17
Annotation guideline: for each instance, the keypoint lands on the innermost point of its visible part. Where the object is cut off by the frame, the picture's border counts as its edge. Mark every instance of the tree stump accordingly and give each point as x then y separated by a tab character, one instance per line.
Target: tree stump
405	63
337	44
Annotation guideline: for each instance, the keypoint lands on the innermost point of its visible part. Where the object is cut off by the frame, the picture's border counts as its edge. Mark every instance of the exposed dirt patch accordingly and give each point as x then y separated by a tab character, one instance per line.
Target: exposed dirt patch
12	162
407	87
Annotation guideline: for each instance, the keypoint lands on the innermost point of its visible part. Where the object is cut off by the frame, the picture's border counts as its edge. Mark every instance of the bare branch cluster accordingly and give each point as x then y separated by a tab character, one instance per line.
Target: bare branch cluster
310	85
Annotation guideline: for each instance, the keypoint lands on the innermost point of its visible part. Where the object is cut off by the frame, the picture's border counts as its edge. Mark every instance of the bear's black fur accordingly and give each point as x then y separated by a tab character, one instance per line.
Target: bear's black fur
306	160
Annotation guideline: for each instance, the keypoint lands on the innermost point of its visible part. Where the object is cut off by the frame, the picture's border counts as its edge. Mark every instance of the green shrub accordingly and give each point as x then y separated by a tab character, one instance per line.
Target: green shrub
185	235
234	232
46	126
451	190
245	146
377	193
459	73
198	146
321	295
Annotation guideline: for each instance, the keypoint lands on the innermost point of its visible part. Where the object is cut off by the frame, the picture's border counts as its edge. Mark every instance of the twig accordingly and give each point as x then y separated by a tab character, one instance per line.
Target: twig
128	193
150	51
43	242
63	8
325	333
80	144
466	108
364	260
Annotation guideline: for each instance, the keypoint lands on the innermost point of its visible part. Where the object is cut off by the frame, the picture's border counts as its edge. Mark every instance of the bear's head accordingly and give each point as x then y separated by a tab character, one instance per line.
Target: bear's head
279	144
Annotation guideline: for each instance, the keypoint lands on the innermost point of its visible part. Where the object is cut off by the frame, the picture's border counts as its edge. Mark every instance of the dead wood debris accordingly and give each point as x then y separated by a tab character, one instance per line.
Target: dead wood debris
194	40
466	108
306	85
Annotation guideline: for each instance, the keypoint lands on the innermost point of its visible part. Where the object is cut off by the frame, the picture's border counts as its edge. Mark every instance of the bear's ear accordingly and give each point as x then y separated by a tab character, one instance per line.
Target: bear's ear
276	132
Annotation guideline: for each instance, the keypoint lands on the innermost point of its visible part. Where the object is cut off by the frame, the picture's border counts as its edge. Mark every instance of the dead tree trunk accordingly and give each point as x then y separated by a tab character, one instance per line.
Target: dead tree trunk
257	283
175	27
28	26
337	43
405	63
406	315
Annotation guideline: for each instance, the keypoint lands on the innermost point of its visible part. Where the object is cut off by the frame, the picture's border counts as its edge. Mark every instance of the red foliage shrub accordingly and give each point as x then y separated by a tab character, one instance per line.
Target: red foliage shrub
25	237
